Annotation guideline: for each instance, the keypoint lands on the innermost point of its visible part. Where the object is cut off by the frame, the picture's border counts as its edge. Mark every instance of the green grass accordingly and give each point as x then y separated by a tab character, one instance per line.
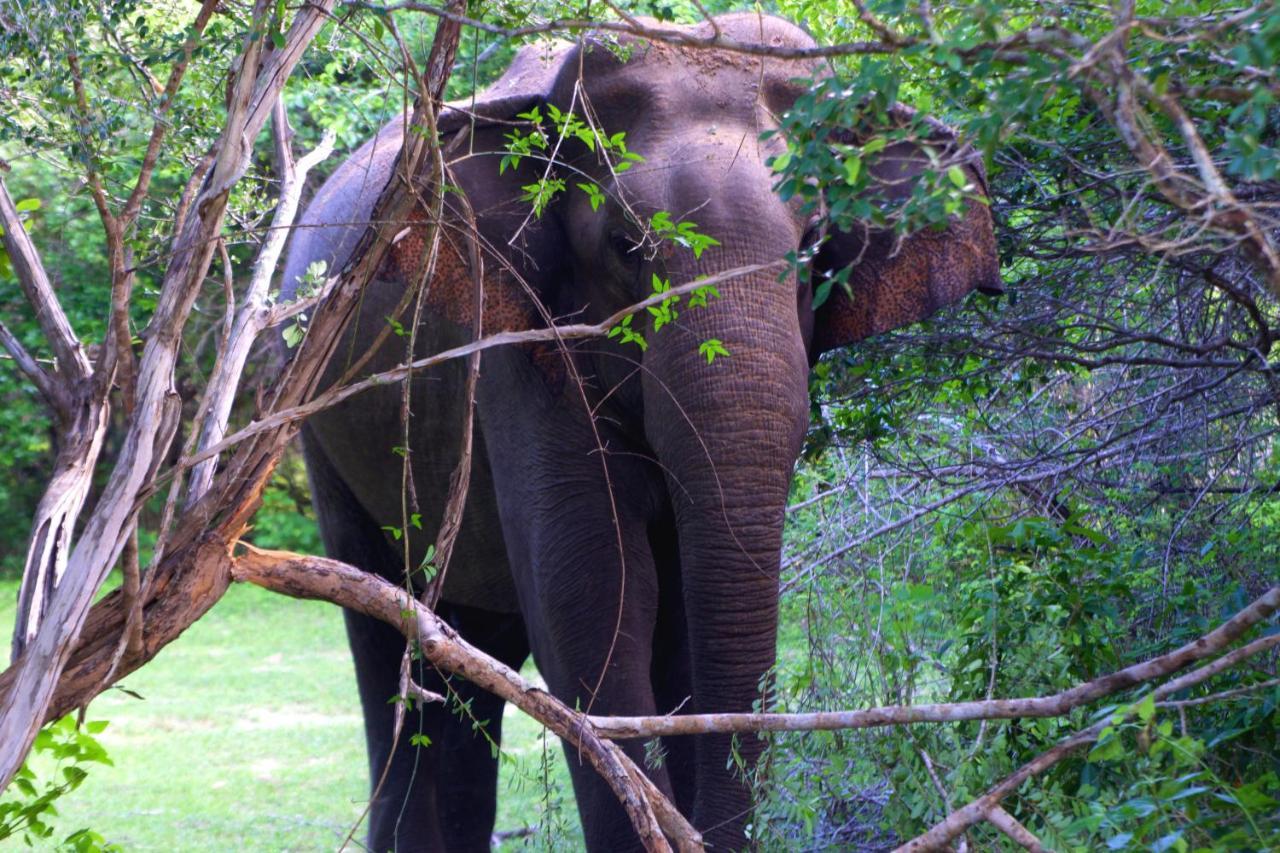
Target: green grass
248	737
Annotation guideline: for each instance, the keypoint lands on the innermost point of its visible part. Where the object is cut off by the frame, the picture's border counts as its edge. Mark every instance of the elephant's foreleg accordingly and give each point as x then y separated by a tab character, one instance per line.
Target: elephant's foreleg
579	582
440	795
466	797
403	815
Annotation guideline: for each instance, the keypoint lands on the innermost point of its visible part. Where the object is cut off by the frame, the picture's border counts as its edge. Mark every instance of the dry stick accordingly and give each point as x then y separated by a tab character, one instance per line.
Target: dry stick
427	113
330	580
1009	825
460	479
997	709
158	408
290	414
958	821
981	808
1225	694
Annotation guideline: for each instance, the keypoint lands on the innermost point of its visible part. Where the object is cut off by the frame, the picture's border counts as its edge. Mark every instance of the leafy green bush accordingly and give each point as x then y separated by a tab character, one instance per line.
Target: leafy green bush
26	812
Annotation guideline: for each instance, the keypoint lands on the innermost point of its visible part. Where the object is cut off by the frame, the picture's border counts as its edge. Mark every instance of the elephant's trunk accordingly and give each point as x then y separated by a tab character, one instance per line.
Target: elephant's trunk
728	433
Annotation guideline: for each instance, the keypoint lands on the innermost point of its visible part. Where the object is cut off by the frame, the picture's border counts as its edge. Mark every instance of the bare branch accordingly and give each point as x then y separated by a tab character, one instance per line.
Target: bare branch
329	580
1006	823
254	314
334	396
982	808
73	363
1046	706
48	386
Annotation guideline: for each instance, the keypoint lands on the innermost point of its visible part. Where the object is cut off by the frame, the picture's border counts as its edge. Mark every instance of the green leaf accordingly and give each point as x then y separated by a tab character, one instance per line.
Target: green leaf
712	348
822	292
293	334
852	168
28	204
958	177
1109	750
1146	709
594	195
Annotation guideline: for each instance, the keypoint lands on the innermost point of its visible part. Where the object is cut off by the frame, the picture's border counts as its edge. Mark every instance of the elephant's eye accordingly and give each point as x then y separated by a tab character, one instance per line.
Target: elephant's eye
624	246
812	241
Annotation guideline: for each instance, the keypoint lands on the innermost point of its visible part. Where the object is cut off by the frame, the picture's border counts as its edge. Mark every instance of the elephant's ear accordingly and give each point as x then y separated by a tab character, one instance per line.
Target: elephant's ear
895	281
515	280
527	82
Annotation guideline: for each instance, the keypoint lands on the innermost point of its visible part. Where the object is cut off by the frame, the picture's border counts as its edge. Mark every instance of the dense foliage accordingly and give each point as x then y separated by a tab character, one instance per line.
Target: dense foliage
1036	492
1014	498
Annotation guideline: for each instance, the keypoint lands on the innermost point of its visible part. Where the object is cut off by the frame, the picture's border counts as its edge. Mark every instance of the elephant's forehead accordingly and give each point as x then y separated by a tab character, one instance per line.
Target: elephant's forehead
682	75
682	90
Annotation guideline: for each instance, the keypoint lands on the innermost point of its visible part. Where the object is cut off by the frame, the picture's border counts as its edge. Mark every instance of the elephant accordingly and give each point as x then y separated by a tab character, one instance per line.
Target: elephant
626	500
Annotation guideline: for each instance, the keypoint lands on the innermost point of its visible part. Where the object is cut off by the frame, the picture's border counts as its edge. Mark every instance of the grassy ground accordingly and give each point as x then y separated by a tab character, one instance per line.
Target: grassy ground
248	737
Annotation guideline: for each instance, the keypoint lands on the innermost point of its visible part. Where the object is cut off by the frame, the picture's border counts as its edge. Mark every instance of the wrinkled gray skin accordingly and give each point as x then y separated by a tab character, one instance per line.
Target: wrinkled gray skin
699	456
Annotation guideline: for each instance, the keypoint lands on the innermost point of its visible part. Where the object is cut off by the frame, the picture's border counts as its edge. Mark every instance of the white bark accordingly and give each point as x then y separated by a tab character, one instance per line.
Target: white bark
254	314
155	416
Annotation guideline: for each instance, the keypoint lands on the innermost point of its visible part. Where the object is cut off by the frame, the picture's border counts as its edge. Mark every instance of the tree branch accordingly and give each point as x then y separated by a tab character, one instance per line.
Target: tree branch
330	580
48	386
73	363
290	414
996	709
254	315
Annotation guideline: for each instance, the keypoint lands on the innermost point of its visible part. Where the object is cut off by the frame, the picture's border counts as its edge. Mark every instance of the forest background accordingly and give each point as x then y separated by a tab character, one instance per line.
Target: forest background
1016	497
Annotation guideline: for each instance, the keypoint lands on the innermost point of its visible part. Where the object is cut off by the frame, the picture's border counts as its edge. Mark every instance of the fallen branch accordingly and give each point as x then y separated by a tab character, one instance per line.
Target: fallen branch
329	580
988	804
1009	825
314	577
995	709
